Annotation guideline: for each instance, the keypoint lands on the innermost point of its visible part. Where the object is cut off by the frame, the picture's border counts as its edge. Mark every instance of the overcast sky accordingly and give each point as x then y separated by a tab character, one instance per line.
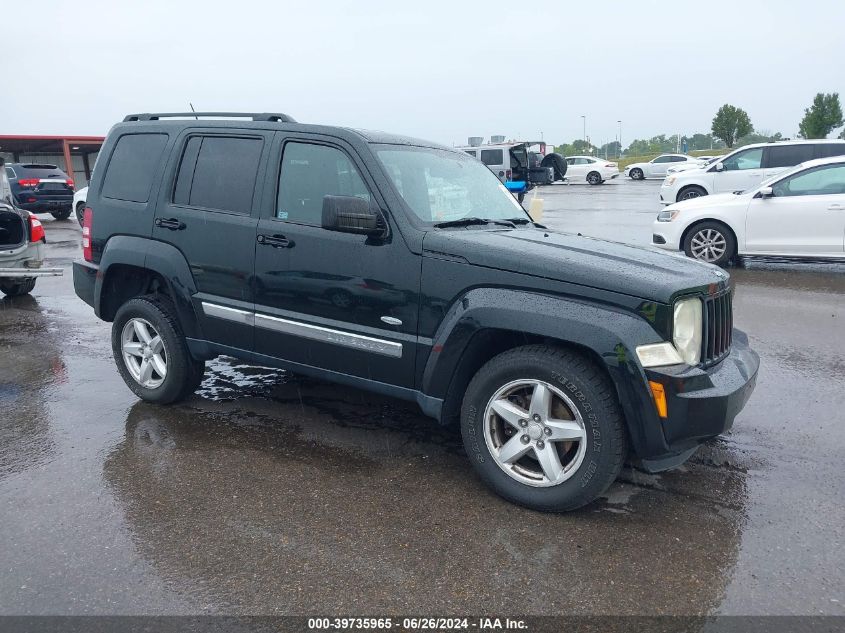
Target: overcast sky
434	69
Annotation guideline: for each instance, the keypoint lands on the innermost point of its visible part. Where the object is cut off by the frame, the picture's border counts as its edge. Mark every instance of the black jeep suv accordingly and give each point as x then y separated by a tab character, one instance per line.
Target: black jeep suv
406	268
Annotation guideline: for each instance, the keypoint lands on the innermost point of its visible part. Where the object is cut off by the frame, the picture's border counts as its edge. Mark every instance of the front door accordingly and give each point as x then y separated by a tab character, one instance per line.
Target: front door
805	215
657	168
339	301
741	171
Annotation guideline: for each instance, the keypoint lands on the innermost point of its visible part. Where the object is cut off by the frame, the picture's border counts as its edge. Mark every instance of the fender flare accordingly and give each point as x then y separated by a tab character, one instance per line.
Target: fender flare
609	333
158	257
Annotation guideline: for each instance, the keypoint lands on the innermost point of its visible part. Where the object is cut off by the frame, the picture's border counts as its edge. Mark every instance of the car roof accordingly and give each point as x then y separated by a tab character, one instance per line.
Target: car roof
797	141
581	156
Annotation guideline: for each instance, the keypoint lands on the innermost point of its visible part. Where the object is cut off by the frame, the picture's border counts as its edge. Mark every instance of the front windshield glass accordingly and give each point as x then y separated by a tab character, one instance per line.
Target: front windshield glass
441	186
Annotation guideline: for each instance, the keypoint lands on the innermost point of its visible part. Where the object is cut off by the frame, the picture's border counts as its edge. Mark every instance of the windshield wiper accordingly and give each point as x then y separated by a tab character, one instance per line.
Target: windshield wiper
519	221
474	221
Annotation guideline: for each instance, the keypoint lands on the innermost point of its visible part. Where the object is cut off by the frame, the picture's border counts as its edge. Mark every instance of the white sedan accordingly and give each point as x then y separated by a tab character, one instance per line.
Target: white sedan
79	199
657	168
590	169
798	213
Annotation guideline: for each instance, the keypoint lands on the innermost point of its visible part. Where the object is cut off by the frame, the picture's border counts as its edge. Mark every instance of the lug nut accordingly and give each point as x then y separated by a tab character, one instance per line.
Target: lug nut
537	417
547	431
525	439
523	423
540	444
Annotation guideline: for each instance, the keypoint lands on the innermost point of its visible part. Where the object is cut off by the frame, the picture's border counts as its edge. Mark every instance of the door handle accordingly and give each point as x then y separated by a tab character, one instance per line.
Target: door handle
836	207
173	224
276	241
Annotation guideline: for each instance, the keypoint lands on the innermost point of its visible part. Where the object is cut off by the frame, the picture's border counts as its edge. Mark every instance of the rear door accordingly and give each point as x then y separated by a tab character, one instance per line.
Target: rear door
338	301
778	158
805	216
209	211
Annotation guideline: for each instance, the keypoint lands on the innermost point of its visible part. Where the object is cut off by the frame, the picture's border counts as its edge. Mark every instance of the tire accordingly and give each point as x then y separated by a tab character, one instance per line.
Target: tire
688	193
594	178
80	212
557	163
636	174
17	288
61	215
182	373
710	242
581	391
520	197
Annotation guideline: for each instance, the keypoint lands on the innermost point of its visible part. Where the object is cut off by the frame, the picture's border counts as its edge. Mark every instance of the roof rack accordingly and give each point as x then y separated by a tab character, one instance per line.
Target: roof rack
255	116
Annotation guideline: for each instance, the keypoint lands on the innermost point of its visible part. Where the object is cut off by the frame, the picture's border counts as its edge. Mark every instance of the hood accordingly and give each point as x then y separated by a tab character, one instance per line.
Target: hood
632	270
706	202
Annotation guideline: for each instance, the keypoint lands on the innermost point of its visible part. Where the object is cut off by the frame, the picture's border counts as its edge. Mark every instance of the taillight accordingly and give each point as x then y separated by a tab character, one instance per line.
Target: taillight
610	165
87	222
29	182
36	230
69	183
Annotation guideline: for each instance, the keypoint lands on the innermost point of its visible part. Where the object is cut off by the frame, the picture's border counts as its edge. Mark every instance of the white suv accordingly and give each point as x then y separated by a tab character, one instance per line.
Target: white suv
744	168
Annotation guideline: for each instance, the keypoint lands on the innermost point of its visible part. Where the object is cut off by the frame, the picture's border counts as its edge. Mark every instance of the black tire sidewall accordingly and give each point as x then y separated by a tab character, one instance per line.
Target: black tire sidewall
597	182
606	441
18	289
685	190
730	242
180	374
80	212
62	215
637	174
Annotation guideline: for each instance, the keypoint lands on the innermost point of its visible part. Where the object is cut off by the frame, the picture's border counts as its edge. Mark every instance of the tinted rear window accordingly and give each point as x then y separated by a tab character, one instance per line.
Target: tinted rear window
40	171
789	155
133	164
826	150
218	173
492	157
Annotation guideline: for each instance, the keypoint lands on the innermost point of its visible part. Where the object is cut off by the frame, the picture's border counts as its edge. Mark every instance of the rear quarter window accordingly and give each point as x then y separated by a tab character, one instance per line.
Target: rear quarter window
826	150
492	157
789	155
134	161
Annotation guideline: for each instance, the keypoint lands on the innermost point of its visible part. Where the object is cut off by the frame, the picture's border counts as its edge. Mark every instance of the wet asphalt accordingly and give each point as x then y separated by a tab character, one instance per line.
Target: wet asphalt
267	493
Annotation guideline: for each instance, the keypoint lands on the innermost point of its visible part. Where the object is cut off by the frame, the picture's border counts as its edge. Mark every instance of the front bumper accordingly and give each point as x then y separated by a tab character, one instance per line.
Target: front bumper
667	195
702	403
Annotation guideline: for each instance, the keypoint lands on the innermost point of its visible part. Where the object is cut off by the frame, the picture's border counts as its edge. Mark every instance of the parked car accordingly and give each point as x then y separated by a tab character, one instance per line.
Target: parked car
560	356
745	168
590	169
518	162
799	213
657	167
21	244
41	188
79	199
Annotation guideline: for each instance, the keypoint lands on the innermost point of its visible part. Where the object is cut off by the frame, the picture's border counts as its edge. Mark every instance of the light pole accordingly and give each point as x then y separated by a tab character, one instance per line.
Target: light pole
620	137
584	118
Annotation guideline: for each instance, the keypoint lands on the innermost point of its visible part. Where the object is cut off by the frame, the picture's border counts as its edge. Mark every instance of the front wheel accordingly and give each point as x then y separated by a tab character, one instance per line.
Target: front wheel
710	242
150	351
688	193
17	288
637	174
594	178
543	428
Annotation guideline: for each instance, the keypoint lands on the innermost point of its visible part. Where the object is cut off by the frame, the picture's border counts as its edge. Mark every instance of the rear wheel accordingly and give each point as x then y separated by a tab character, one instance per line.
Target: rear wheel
61	215
17	288
688	193
594	178
543	428
637	174
710	242
80	212
150	351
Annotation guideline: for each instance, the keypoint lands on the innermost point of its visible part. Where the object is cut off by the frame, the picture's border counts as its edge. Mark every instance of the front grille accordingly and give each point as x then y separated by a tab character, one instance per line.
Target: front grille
717	328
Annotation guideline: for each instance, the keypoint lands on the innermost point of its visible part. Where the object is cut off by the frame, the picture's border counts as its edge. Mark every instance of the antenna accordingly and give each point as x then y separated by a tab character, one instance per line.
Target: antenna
192	110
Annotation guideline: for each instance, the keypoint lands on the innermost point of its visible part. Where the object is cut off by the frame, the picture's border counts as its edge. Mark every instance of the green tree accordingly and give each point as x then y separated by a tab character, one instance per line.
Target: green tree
823	116
731	123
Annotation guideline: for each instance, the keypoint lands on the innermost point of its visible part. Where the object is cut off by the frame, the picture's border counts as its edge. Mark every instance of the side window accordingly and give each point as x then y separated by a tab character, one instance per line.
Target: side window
749	159
218	172
678	159
310	172
130	172
826	150
492	157
789	155
10	173
822	181
471	152
662	159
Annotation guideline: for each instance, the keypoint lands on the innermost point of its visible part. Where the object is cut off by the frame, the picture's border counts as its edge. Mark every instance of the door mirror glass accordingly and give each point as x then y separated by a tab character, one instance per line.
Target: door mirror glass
765	192
351	214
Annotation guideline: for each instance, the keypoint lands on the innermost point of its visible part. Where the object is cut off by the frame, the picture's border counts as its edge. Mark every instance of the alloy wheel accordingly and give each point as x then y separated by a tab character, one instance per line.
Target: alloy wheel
535	433
144	353
708	245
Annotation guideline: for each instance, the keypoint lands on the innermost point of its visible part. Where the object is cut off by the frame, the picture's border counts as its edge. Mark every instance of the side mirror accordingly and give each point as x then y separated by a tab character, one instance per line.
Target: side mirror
350	214
719	167
765	192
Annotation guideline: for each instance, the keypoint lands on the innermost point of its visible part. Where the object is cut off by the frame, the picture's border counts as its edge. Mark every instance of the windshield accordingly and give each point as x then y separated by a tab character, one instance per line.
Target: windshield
440	186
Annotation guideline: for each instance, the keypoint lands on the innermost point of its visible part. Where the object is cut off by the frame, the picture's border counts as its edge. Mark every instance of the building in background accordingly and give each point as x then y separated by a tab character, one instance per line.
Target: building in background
76	155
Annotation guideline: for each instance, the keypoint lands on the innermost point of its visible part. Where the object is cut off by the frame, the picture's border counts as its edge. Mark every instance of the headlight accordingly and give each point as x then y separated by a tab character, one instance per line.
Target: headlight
669	180
667	216
686	330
